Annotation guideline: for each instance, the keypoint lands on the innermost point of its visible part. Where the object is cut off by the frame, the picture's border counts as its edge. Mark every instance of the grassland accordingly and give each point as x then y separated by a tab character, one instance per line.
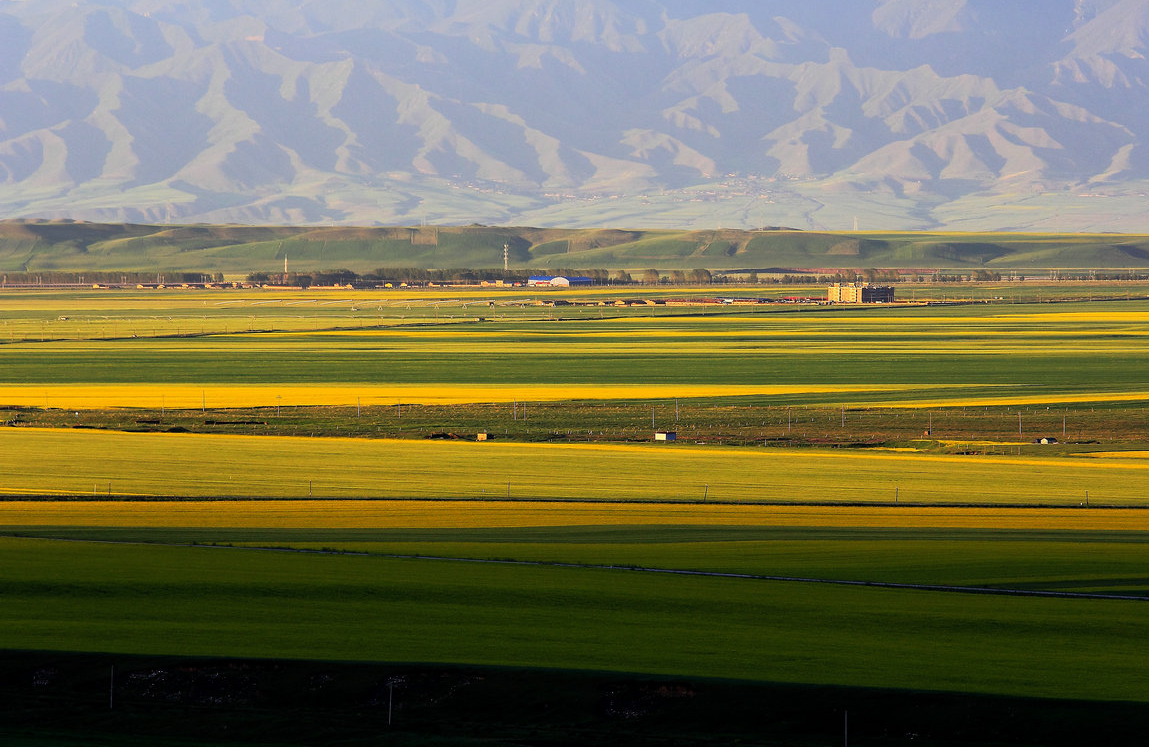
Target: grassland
47	246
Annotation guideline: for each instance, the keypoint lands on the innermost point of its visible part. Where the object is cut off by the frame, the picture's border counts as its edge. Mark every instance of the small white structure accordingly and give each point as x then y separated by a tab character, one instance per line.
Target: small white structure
665	436
557	281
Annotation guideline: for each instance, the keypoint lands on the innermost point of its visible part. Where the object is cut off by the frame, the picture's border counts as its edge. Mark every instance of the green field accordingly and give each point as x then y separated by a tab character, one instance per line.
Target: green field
200	601
1075	561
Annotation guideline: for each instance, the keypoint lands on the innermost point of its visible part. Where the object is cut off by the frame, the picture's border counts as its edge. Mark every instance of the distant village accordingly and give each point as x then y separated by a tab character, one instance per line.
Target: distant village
842	286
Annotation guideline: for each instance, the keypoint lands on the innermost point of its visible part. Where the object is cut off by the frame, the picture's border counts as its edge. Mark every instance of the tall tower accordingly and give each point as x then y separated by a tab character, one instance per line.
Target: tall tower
506	257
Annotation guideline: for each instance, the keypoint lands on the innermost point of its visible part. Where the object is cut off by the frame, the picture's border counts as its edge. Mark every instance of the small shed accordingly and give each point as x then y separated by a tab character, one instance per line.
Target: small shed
1045	440
665	435
481	436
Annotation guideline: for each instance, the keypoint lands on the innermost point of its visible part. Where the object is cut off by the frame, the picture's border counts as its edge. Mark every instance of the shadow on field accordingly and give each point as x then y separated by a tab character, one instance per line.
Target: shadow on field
66	700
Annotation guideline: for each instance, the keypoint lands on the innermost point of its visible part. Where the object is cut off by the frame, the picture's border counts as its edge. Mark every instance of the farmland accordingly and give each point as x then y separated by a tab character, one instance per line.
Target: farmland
552	616
254	475
79	463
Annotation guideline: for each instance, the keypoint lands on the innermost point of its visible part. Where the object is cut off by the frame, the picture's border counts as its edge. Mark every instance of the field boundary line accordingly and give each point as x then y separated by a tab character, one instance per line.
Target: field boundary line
627	568
788	579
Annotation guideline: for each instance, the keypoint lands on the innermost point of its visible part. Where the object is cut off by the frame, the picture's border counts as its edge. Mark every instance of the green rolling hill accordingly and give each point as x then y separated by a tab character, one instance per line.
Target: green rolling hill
46	246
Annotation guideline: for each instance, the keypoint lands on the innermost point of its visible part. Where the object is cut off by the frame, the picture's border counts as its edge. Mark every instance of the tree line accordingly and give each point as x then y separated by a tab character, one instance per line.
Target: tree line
470	276
107	277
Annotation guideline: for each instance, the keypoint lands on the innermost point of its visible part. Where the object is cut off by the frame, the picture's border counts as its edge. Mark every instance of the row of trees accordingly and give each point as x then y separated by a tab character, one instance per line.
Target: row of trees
420	276
883	277
1092	275
107	278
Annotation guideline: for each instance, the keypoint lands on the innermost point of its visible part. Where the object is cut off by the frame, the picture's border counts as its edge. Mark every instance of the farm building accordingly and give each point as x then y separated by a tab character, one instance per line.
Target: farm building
558	281
860	293
665	435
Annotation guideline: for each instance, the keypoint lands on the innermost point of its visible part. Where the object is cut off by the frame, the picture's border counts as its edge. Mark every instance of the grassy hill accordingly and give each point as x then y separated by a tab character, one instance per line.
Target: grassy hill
43	246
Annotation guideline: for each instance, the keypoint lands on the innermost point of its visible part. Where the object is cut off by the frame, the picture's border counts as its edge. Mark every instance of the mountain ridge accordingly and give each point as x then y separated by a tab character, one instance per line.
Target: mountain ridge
942	114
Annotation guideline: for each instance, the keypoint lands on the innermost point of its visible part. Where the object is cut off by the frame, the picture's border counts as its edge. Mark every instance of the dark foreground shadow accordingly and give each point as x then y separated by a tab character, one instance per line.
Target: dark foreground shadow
68	700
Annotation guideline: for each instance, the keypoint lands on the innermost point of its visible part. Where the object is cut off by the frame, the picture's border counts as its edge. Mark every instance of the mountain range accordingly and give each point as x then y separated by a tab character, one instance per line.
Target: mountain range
827	114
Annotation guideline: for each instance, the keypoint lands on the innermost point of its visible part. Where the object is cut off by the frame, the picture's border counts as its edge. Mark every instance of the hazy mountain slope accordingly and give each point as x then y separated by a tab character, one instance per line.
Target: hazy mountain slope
582	112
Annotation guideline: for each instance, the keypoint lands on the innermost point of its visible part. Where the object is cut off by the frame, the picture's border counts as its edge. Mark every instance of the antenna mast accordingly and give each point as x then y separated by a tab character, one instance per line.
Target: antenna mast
506	257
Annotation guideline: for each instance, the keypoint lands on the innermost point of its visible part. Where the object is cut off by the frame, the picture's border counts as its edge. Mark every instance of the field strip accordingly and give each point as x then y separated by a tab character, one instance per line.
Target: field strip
213	396
1118	454
943	588
1050	398
757	577
409	514
173	465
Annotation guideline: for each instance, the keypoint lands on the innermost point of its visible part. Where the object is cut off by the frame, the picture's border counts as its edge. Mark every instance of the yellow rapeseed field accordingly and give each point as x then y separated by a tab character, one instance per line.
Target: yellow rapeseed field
388	514
1014	400
84	462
